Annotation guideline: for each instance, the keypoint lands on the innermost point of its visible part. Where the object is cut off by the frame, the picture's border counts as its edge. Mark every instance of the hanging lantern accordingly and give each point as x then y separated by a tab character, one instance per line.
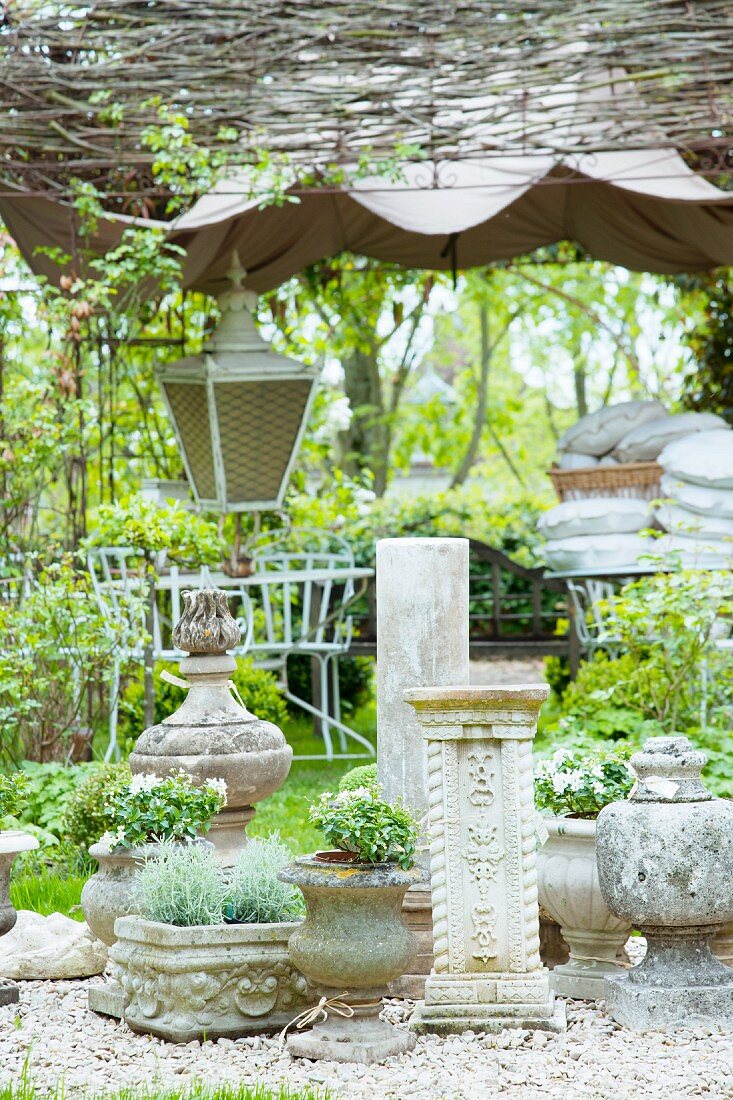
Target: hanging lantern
239	410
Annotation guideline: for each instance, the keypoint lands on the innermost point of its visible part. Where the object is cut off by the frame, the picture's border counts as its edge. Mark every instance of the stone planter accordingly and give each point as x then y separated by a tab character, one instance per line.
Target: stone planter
352	943
12	842
109	893
207	981
569	890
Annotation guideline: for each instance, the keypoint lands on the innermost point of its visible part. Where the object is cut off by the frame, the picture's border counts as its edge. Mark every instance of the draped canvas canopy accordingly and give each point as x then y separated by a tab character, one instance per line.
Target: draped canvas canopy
644	209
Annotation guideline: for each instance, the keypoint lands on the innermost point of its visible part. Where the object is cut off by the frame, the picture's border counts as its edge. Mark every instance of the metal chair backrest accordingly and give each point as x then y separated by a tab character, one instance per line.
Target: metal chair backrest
591	625
304	613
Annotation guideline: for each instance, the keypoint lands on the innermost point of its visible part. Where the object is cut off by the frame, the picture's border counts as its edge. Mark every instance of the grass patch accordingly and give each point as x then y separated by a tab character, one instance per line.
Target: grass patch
24	1089
48	892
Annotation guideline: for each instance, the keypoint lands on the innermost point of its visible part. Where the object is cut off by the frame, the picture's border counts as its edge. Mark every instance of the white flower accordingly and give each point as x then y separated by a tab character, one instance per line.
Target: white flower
140	783
574	780
218	785
559	782
352	796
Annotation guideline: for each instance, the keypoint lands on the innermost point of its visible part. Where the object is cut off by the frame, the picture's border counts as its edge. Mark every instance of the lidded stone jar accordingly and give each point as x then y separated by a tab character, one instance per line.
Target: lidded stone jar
663	860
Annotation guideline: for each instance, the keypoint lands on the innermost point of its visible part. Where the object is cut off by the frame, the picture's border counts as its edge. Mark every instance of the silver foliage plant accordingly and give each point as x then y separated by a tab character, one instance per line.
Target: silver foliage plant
184	886
255	894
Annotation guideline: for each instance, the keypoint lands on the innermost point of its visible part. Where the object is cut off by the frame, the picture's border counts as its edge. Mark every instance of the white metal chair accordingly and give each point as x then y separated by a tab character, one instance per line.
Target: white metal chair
304	611
591	626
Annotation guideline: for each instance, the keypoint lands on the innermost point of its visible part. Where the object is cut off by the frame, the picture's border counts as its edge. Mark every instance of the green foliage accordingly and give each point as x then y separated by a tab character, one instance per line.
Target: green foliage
55	628
257	688
186	538
150	809
579	784
23	1088
557	673
374	830
364	776
254	894
356	681
86	813
47	891
13	793
49	789
181	886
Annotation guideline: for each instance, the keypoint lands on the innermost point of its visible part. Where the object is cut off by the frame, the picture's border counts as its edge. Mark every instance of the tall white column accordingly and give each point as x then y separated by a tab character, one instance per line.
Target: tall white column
487	972
422	640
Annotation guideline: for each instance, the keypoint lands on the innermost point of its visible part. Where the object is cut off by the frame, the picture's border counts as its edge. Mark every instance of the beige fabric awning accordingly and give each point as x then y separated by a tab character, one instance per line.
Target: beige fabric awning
643	209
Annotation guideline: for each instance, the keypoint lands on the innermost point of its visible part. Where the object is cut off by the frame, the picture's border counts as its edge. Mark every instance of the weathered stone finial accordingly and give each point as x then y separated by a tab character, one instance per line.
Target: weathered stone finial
206	625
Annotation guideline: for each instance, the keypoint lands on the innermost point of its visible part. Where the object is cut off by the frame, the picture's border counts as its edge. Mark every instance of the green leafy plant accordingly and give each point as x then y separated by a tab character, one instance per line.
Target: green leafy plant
254	894
359	821
363	776
186	538
87	814
578	784
181	886
150	809
12	793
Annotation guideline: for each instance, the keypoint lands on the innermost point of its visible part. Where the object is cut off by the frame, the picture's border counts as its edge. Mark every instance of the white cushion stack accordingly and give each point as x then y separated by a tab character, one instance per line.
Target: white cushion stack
698	479
597	532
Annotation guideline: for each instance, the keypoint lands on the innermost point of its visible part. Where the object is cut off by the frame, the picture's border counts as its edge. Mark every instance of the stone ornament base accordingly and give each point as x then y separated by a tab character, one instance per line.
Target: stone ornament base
456	1003
107	999
642	1008
9	992
583	981
366	1039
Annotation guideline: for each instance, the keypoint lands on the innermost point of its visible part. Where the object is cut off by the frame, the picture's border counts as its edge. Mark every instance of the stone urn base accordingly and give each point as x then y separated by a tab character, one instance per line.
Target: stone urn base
12	842
208	981
569	891
352	942
678	983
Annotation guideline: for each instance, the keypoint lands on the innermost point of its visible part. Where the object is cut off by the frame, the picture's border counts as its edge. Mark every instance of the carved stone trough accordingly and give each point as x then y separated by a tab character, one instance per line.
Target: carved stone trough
206	982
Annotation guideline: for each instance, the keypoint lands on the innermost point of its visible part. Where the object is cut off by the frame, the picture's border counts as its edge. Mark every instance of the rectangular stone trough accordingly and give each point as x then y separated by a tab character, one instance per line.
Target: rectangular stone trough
207	981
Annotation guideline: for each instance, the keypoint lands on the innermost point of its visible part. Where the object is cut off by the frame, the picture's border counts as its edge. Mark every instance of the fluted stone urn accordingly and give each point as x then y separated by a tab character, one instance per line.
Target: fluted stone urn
663	859
352	943
211	735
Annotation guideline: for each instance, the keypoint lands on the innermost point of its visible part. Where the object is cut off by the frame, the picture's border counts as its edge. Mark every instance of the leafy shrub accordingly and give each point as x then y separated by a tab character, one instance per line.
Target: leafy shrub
356	681
150	809
374	830
363	776
49	790
181	886
87	814
257	689
254	893
57	626
187	539
12	793
578	784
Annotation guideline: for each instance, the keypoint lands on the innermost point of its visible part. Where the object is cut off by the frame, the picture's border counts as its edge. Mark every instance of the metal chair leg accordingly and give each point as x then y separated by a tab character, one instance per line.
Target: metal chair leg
113	748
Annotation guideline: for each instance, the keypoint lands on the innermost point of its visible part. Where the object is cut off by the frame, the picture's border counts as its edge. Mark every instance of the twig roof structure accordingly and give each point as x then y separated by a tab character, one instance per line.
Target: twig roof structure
328	80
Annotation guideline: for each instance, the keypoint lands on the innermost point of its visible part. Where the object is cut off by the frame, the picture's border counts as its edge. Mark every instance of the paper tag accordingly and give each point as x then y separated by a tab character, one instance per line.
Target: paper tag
171	679
540	829
665	788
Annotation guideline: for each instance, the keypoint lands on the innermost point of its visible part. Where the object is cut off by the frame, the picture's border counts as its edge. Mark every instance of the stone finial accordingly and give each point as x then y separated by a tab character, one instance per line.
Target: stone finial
206	626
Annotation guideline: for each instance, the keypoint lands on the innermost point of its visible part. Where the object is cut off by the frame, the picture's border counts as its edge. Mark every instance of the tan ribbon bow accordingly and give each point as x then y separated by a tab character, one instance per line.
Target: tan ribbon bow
319	1013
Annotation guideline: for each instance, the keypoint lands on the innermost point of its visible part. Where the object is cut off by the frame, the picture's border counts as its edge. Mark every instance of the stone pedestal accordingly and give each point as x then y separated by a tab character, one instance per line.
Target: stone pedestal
487	972
422	641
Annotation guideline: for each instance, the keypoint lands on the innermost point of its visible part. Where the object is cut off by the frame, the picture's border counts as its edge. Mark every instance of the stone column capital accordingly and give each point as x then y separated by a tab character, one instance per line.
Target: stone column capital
470	713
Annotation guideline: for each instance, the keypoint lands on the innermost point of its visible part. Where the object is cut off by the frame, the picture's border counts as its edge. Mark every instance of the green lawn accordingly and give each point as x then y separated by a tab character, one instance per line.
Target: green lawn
24	1089
47	893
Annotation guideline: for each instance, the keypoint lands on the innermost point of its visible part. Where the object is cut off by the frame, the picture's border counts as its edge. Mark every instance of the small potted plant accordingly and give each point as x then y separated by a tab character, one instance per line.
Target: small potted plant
207	956
353	940
145	812
572	788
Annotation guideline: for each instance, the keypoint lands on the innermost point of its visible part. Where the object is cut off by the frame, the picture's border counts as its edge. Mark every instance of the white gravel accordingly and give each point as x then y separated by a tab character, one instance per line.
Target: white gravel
63	1042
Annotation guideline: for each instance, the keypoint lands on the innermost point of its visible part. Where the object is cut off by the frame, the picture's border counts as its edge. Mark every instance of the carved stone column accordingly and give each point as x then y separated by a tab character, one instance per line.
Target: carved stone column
422	639
487	972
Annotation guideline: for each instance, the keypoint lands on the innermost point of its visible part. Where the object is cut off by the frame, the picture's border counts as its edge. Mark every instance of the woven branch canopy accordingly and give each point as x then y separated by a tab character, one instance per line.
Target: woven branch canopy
537	123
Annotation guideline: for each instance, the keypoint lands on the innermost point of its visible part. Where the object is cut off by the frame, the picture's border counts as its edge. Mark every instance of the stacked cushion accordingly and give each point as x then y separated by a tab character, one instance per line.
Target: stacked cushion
597	551
600	432
705	458
700	499
595	516
646	441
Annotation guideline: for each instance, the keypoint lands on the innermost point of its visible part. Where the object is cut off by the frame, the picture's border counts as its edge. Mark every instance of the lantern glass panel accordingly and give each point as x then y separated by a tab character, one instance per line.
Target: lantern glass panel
188	404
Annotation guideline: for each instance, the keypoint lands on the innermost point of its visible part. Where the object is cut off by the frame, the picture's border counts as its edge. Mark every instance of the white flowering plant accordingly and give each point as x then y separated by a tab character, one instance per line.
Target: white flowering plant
580	784
361	822
151	809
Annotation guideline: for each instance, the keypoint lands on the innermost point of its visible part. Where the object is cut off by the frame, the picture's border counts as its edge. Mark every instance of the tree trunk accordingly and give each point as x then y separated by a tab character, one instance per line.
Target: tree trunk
366	442
482	401
580	380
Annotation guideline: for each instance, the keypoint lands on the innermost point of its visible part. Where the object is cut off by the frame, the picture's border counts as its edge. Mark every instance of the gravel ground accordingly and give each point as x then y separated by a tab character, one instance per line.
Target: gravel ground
62	1041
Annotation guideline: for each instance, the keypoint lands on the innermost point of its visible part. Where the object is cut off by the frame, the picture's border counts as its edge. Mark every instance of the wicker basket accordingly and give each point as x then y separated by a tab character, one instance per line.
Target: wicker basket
632	479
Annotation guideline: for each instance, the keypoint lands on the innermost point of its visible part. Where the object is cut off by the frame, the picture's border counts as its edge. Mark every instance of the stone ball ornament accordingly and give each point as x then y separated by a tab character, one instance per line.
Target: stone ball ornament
212	735
662	857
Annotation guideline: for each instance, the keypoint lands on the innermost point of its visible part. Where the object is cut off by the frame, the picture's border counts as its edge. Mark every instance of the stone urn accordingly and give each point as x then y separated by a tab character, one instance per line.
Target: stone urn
211	735
663	857
569	890
206	981
12	842
352	942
